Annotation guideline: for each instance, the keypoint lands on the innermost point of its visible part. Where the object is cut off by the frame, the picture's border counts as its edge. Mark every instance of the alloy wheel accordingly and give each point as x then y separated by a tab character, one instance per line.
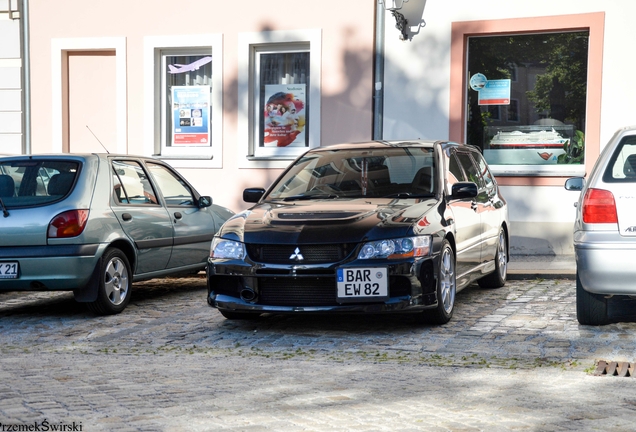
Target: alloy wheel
116	282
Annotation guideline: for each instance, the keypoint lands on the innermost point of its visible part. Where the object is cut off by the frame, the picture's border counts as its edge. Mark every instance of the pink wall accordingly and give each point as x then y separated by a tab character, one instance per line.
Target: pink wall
347	66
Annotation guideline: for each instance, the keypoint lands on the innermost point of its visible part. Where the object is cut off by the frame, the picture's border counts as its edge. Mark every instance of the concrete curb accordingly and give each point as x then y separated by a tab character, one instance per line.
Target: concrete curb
523	267
541	274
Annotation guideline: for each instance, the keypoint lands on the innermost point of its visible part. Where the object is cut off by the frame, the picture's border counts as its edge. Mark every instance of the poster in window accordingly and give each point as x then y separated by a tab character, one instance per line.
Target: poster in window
284	115
495	92
191	115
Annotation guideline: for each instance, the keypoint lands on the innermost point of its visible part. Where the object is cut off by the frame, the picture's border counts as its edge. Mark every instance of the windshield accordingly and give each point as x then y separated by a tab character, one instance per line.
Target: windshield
390	172
25	183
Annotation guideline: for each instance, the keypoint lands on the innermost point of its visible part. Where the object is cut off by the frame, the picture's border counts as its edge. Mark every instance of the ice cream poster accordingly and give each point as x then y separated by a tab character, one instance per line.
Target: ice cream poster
191	115
284	115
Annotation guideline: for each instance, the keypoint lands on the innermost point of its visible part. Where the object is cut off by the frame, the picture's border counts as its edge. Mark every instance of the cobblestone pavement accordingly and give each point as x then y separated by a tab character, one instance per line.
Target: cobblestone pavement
511	359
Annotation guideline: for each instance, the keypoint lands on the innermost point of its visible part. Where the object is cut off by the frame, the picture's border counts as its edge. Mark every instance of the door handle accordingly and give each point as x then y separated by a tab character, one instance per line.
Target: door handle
177	215
126	216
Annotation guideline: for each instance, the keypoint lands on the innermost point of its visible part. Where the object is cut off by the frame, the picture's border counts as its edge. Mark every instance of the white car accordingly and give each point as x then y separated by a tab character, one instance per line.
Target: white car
605	230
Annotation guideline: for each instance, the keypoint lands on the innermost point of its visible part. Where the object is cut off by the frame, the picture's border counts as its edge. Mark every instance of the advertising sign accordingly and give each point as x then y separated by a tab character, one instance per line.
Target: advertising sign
495	92
284	115
191	115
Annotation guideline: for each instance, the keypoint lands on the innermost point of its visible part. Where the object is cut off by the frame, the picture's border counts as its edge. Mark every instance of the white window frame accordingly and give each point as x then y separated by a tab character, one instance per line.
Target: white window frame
248	85
154	141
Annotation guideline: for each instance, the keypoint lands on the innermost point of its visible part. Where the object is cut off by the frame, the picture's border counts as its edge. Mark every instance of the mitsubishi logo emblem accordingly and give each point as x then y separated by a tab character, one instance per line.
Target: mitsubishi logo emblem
297	255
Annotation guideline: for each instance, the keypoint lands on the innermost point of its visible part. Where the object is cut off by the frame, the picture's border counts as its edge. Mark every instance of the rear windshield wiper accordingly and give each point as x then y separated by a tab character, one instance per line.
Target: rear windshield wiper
5	212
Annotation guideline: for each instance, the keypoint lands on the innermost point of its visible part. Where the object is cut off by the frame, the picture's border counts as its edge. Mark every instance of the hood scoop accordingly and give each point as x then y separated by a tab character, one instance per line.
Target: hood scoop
322	216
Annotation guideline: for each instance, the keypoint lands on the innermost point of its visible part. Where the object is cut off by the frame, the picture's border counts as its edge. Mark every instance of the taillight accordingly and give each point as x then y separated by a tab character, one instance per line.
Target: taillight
68	224
599	207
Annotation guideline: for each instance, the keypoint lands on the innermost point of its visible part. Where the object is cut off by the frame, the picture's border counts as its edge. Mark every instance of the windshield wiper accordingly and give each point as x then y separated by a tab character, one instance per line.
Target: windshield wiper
5	212
409	195
309	197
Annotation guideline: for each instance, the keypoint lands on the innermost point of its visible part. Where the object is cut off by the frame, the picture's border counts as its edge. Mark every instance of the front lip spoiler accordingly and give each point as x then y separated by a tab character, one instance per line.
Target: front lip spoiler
396	304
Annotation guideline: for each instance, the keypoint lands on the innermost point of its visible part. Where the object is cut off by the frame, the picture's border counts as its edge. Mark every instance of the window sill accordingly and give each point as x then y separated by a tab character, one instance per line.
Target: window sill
190	161
271	158
538	170
274	162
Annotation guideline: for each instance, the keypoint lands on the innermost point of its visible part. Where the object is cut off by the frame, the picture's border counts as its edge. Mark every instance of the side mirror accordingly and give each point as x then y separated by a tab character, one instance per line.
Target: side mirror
575	184
205	201
464	190
253	195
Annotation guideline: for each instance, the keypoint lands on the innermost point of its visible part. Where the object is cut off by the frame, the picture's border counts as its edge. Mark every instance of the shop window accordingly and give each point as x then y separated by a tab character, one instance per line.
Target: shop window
186	86
279	92
185	97
281	101
543	97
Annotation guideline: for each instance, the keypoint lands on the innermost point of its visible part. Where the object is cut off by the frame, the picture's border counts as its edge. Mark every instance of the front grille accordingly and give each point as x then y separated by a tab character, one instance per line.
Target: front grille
311	254
313	291
297	291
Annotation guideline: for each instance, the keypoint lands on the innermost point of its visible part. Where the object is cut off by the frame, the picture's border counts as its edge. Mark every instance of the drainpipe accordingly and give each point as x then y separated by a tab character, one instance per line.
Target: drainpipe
23	7
378	75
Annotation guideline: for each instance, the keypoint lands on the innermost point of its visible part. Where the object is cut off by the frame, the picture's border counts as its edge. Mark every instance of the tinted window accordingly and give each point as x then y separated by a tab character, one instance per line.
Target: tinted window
484	172
622	165
470	169
455	173
36	182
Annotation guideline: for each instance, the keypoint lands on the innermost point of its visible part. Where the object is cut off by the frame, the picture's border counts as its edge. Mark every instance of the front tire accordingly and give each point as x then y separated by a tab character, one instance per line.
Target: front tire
115	280
497	279
591	309
446	288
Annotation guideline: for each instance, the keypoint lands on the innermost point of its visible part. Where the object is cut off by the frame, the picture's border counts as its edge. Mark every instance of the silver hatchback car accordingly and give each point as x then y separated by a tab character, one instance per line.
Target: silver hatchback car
605	230
94	223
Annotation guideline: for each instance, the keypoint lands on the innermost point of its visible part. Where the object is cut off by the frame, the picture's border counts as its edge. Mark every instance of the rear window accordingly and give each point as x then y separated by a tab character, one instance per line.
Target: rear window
26	183
622	165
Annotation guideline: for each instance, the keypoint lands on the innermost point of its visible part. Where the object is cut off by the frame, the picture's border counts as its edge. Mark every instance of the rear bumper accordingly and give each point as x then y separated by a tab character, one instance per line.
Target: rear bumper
605	265
56	268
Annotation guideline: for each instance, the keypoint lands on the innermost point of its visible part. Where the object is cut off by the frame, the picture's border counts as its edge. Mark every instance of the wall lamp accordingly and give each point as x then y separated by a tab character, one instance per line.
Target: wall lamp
400	21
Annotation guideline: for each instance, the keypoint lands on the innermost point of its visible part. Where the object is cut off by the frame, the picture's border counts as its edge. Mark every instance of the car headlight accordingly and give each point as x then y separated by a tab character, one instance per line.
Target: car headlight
397	248
227	249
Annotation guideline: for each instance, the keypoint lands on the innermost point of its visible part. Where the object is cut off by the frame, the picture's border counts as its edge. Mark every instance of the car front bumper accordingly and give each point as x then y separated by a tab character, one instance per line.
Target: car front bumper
313	288
605	262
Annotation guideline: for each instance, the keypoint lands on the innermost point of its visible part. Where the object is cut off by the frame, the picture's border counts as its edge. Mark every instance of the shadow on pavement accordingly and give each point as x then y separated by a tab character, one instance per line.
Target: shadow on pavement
62	303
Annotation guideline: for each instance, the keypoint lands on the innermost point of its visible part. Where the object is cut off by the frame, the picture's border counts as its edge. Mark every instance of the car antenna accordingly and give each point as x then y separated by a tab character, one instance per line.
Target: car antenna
97	139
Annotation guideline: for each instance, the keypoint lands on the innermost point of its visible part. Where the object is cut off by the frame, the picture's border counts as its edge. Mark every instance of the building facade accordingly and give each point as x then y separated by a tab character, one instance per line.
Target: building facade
11	91
230	93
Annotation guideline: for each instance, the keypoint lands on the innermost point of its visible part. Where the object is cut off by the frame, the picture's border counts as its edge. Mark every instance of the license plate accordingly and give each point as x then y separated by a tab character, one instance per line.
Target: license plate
362	284
9	270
